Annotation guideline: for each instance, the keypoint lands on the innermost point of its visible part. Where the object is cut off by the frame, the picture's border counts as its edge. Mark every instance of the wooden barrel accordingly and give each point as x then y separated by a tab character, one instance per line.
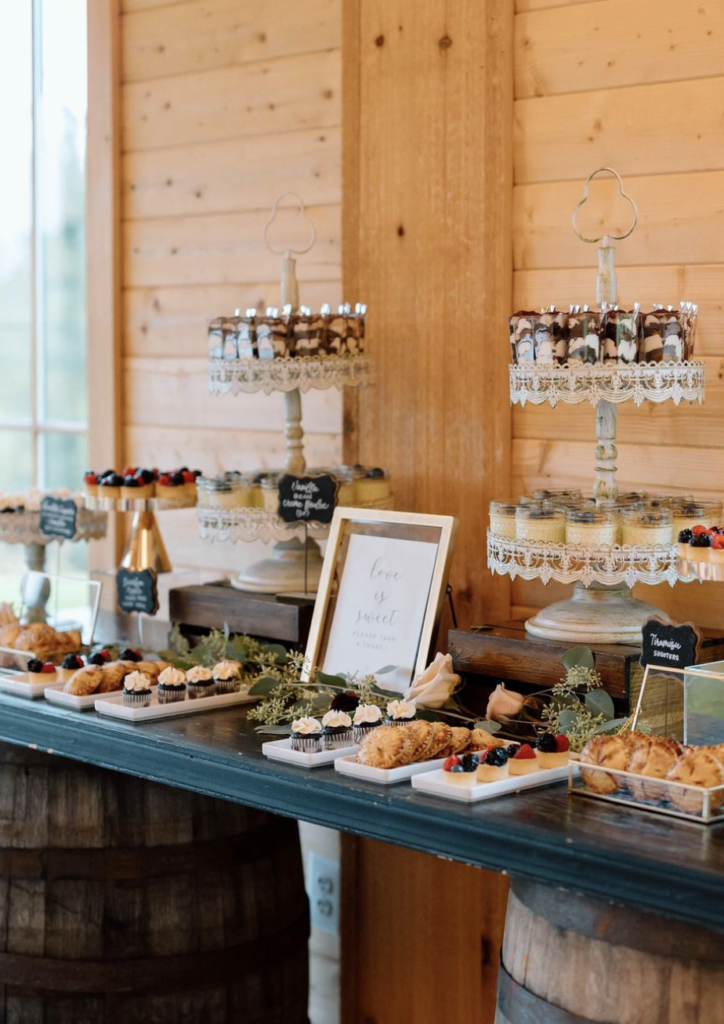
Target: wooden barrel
567	959
124	901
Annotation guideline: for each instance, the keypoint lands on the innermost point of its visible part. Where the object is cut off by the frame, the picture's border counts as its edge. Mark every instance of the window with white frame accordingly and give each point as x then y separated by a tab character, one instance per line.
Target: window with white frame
43	104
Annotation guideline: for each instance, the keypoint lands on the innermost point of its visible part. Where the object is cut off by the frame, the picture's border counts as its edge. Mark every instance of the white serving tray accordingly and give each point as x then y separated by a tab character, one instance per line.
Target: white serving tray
112	705
385	776
281	750
19	688
57	695
435	783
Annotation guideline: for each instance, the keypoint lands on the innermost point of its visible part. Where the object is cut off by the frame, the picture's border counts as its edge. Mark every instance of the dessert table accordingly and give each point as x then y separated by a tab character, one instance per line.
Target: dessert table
630	858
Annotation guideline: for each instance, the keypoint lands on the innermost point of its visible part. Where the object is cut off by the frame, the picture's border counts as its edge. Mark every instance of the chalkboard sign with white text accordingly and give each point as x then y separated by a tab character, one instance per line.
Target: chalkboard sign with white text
307	498
58	518
669	644
137	590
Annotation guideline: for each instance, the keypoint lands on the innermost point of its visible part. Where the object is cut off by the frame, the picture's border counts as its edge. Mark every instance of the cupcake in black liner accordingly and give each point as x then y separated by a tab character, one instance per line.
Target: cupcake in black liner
200	682
227	676
307	735
401	712
366	718
337	730
171	686
137	691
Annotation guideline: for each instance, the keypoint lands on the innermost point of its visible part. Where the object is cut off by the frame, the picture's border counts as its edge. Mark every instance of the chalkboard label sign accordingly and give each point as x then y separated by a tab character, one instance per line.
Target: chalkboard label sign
307	498
58	518
137	590
669	644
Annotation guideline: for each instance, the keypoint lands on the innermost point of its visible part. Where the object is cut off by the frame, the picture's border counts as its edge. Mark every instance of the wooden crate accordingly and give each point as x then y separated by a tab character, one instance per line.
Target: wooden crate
267	616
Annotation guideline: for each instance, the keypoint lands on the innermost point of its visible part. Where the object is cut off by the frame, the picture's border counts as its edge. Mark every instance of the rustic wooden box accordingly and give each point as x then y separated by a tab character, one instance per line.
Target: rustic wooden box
266	616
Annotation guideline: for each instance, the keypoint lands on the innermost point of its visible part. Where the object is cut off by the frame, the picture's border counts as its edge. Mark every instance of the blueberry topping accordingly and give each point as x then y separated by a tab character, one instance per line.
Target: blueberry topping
177	479
146	475
685	536
547	743
130	481
96	659
469	762
702	541
35	665
128	654
72	661
497	757
113	480
107	472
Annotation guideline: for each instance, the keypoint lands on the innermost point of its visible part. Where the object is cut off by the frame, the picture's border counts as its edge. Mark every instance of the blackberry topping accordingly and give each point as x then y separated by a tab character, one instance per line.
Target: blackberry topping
702	541
96	659
130	481
35	665
107	472
146	475
128	654
183	469
112	480
547	743
497	757
469	762
72	661
177	479
685	536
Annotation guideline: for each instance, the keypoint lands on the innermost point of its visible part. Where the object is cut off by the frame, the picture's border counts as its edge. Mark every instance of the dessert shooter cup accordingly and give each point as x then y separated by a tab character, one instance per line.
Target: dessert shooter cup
652	341
584	337
688	514
647	526
502	519
541	525
522	340
674	345
592	527
622	333
270	493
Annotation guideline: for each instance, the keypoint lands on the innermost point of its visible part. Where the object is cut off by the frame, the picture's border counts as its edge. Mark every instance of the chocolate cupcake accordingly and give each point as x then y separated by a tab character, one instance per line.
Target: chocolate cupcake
171	686
137	690
400	712
366	718
337	730
200	682
227	676
307	735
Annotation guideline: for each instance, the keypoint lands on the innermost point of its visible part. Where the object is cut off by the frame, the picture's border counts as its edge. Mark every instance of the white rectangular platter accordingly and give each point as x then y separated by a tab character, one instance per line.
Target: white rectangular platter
22	689
57	695
112	705
386	776
435	783
281	750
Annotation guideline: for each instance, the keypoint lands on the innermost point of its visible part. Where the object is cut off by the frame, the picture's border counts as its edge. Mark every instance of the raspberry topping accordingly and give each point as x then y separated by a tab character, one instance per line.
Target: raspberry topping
165	479
188	476
451	763
129	471
698	530
48	667
562	744
91	478
718	542
524	752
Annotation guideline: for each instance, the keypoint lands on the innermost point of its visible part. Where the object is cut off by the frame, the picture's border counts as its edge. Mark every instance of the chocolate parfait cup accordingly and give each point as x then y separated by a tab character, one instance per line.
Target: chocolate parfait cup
652	341
674	345
522	337
584	338
622	337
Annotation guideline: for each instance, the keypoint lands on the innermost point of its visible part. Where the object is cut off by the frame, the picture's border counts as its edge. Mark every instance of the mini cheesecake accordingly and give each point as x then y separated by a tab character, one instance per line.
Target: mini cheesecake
523	761
494	766
552	751
71	664
37	671
461	769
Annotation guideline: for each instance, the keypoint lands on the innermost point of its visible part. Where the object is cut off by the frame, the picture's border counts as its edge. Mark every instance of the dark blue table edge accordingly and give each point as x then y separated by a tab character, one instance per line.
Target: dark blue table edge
396	815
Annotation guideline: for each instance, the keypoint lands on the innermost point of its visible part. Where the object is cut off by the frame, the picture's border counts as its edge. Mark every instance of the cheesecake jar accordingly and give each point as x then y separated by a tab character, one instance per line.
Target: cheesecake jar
688	514
502	519
540	525
222	492
647	526
592	527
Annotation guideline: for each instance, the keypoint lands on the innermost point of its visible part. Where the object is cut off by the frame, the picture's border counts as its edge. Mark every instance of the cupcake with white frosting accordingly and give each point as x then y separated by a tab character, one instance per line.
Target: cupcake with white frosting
336	730
227	676
366	718
401	712
171	686
137	690
307	735
200	682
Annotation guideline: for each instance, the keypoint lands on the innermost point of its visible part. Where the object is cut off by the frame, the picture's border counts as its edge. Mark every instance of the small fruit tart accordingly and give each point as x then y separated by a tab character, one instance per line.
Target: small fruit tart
523	761
494	766
109	485
460	769
40	672
70	665
552	751
90	483
171	487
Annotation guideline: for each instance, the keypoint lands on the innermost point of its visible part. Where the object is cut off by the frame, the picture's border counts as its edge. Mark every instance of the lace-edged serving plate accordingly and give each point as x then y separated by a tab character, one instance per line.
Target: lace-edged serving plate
249	524
638	383
305	374
24	527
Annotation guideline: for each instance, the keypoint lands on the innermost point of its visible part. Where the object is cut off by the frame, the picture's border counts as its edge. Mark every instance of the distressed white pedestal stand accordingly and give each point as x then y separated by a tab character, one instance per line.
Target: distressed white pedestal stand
602	608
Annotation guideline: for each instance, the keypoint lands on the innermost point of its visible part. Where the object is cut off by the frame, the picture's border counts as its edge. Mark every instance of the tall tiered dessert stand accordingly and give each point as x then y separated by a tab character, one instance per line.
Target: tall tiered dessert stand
602	608
296	562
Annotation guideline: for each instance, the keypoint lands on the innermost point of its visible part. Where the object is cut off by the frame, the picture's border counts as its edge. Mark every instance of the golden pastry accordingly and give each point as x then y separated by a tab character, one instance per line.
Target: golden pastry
113	675
611	751
383	747
481	739
422	731
460	740
696	768
85	681
441	737
653	760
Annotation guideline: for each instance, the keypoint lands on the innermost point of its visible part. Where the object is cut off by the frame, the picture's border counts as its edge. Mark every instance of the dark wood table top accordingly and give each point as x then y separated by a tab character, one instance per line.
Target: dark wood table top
639	859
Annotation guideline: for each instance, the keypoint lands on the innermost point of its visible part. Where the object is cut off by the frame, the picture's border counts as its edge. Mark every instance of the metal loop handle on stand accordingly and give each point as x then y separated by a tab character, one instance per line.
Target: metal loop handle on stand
603	238
303	212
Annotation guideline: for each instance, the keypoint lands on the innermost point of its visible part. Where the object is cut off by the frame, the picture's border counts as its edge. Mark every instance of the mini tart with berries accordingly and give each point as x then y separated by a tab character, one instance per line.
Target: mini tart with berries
700	544
552	751
494	766
70	665
523	761
190	476
171	487
683	543
146	483
109	485
461	769
716	553
90	484
40	672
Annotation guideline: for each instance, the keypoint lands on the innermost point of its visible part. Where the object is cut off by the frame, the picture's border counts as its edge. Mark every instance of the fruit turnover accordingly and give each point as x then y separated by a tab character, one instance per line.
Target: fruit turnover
552	751
461	768
523	761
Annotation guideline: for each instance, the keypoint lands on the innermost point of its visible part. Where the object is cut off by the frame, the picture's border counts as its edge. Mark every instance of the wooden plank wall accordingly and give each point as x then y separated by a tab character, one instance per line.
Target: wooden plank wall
636	85
225	104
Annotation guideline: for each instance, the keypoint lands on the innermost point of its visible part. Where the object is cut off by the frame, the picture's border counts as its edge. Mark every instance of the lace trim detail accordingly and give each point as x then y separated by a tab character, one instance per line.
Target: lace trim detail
249	375
640	382
250	524
24	527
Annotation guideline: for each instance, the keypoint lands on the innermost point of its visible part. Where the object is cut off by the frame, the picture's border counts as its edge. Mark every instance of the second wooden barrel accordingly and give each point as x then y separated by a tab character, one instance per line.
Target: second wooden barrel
570	960
127	902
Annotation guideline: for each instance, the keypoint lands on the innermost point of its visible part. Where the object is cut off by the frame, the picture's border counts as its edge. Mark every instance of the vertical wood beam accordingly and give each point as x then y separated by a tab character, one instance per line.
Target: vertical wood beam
103	253
427	164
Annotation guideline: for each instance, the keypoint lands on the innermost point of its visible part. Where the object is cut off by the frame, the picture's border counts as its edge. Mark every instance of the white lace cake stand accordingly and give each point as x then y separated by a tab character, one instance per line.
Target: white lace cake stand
638	383
235	376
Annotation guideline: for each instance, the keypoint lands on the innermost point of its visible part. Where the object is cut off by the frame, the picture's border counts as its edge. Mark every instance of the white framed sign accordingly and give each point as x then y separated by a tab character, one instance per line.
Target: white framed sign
381	594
